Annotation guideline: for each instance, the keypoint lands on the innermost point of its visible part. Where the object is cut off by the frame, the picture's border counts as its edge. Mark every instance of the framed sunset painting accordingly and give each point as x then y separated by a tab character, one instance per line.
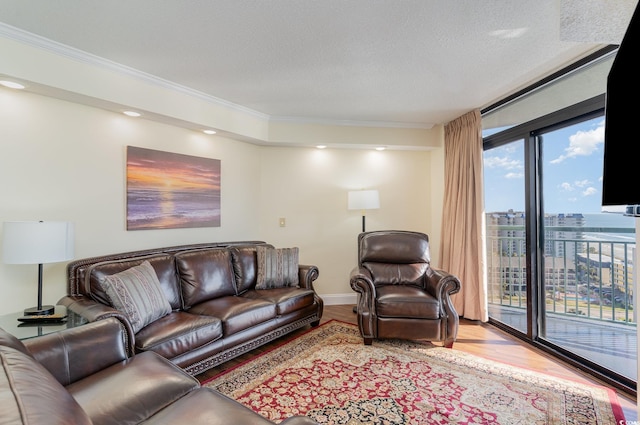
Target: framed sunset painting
168	190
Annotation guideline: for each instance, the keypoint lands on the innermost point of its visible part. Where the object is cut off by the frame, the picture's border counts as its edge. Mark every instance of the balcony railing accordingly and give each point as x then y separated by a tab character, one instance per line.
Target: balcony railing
585	275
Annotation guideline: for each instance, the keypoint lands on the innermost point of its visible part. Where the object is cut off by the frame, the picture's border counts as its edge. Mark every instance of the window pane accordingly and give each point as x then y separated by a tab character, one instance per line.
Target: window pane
506	249
588	253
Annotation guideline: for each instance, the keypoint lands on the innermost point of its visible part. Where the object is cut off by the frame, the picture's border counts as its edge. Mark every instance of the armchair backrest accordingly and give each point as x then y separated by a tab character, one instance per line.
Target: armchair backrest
394	256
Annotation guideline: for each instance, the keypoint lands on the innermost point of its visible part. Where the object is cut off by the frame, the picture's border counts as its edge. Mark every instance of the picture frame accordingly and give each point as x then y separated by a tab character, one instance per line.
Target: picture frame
169	190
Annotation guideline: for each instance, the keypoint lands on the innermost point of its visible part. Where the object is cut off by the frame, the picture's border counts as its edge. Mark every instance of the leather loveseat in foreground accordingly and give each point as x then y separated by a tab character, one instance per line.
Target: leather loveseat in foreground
85	375
215	301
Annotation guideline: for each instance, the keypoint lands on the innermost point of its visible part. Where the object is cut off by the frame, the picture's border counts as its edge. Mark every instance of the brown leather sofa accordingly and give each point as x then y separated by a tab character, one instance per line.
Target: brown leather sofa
399	294
216	311
85	375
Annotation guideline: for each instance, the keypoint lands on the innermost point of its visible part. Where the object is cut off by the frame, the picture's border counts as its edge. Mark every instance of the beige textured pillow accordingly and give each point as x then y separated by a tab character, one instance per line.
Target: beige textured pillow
277	267
136	293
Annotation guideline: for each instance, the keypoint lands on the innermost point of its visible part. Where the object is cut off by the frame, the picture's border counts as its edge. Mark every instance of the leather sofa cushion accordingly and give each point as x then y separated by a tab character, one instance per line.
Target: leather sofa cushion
406	301
245	267
119	394
29	394
205	274
397	274
178	333
163	264
287	300
206	406
237	313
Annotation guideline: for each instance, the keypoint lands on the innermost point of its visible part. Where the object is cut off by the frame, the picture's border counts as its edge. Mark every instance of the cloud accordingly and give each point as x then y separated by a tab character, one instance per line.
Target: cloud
566	187
578	184
583	143
502	162
514	175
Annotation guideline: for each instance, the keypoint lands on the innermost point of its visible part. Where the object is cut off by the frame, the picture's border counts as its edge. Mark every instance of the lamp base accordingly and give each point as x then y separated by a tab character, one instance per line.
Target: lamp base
45	310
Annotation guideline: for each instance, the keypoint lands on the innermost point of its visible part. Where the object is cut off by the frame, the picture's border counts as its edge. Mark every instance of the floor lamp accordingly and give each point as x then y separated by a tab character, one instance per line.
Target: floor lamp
363	200
37	242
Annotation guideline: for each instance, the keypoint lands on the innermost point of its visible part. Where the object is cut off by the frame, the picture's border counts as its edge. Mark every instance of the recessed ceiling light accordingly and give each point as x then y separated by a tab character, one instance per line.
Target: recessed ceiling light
12	84
381	148
209	131
132	113
321	146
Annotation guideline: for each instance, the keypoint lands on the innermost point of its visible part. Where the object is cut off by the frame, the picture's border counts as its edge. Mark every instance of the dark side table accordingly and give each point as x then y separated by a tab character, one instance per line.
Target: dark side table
9	322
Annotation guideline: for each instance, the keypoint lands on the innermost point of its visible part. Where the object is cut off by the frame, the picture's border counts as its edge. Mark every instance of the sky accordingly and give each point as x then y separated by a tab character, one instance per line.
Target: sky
572	160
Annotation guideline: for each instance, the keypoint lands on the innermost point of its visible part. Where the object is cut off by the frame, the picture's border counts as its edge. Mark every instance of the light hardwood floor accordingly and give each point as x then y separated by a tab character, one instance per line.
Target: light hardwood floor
480	339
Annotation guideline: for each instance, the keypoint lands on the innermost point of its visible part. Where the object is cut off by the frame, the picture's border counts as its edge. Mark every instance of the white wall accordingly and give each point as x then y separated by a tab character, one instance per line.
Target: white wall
65	161
308	187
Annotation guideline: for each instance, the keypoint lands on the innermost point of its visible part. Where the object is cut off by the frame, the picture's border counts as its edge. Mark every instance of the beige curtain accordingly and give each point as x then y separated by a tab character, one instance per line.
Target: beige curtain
462	241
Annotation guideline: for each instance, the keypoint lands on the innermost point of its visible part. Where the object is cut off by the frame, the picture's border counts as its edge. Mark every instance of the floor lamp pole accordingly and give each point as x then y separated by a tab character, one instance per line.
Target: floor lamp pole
363	223
39	308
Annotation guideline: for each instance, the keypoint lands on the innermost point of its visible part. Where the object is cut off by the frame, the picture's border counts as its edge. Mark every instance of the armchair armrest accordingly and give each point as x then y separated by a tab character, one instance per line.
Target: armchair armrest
441	284
76	353
361	281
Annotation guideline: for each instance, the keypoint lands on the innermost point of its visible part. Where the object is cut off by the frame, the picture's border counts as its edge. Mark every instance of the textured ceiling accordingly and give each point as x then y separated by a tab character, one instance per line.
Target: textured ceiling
404	62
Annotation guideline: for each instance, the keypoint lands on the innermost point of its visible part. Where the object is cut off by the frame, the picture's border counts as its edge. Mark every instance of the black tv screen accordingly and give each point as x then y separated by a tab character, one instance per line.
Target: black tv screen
621	132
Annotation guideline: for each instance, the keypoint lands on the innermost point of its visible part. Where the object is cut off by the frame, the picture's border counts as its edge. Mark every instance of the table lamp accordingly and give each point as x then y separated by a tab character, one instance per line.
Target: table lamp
363	200
37	242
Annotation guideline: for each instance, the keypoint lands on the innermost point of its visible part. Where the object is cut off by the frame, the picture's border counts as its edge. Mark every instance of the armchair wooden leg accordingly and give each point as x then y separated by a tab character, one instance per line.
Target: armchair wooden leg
368	341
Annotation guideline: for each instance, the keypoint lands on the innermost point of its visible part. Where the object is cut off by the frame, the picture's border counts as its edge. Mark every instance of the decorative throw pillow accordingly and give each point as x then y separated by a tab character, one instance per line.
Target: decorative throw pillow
277	268
136	292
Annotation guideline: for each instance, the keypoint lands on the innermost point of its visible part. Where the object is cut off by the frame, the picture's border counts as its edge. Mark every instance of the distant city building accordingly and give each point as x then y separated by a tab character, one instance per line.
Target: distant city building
507	233
567	264
563	241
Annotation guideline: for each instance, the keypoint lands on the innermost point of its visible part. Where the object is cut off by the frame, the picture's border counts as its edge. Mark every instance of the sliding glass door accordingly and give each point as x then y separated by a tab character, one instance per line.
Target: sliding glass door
587	253
504	171
559	266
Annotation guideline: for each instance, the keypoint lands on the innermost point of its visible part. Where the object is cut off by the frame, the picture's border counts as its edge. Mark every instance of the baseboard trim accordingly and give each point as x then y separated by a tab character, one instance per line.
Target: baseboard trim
339	299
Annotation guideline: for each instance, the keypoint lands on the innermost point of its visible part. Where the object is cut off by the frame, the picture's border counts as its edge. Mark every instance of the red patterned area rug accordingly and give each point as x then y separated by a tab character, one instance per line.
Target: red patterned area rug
329	375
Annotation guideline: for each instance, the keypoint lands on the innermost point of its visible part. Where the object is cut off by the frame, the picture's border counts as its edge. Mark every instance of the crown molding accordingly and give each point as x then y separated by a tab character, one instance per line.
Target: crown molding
48	45
78	55
350	123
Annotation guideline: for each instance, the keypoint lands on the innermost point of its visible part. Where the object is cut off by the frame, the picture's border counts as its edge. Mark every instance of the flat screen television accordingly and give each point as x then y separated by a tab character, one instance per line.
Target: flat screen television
620	183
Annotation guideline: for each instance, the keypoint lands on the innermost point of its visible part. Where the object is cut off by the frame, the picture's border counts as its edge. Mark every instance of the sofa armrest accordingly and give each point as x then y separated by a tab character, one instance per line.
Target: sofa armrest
93	311
306	275
75	353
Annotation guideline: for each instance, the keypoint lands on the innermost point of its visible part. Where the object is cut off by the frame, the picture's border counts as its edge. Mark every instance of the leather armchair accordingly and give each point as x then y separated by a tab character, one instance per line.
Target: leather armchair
399	294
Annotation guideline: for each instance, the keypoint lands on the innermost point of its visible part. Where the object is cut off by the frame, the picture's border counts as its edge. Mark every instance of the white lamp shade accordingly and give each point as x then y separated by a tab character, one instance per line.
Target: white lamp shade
37	242
363	200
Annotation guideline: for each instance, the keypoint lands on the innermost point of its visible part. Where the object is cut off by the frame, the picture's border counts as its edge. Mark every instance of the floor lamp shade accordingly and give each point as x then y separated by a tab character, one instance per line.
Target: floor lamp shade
363	200
37	242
